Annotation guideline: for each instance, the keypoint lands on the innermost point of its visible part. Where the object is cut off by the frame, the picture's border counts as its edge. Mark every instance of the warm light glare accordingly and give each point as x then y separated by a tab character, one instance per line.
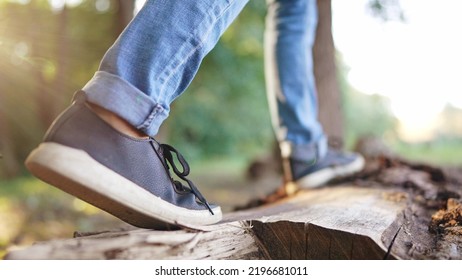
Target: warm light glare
415	63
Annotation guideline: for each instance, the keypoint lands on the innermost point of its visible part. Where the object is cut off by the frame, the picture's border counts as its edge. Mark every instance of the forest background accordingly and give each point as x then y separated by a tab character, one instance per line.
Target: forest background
221	124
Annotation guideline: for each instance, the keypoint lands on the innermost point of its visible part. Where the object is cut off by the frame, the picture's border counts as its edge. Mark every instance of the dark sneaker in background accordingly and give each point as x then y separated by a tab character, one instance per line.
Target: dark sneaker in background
317	173
127	177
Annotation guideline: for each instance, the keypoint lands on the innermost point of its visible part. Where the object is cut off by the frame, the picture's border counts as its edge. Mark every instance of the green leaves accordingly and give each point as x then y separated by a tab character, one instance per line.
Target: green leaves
224	112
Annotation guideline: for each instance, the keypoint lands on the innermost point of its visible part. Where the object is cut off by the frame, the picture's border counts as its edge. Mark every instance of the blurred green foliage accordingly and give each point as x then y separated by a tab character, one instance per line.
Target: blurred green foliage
47	53
445	151
224	112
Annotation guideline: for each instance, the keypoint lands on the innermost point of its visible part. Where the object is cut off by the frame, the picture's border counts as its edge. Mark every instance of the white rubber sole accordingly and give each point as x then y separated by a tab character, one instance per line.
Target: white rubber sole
78	174
321	177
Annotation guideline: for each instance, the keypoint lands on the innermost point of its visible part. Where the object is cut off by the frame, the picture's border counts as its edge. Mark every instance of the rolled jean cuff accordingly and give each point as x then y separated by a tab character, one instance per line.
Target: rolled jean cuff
125	100
305	152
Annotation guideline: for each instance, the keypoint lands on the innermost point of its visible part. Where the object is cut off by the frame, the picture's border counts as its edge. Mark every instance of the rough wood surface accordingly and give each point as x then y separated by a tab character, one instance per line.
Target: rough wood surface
393	209
231	241
331	223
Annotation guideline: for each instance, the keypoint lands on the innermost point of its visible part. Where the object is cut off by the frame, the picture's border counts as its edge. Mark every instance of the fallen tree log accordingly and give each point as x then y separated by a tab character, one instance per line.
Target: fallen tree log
331	223
392	210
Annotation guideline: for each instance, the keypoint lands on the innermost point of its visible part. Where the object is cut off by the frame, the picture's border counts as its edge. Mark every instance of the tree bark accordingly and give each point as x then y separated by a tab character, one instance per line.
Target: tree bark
9	165
325	71
62	58
44	99
124	15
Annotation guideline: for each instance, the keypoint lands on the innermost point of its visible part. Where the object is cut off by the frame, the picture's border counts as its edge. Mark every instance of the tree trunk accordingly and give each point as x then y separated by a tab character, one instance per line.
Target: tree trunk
325	71
44	99
125	14
62	57
9	165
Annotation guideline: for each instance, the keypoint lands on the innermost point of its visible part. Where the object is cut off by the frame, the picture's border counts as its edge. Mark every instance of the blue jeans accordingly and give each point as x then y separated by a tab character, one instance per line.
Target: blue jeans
158	54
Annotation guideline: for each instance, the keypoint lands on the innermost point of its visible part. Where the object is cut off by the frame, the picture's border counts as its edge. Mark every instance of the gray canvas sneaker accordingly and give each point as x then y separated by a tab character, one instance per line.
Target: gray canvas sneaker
318	172
307	167
127	177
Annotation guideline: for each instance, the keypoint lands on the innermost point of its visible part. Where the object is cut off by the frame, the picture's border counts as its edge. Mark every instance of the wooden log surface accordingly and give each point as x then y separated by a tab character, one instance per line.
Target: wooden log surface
336	222
393	209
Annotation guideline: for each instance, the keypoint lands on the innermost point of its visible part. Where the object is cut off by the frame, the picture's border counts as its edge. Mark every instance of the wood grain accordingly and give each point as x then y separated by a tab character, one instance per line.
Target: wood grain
332	223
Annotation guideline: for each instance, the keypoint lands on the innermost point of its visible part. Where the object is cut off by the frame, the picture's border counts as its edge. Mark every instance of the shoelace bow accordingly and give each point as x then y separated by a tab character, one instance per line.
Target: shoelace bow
168	151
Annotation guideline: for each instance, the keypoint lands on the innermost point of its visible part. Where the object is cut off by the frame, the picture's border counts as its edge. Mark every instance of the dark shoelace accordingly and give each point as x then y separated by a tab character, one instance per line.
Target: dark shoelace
167	152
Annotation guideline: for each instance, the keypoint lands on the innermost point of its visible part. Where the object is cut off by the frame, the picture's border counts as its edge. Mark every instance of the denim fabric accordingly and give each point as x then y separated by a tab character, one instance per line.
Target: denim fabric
158	54
289	38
